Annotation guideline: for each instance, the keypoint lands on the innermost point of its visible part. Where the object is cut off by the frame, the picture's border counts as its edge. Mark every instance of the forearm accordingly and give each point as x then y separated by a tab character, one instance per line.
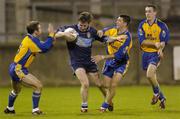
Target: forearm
107	56
111	39
65	35
148	43
162	45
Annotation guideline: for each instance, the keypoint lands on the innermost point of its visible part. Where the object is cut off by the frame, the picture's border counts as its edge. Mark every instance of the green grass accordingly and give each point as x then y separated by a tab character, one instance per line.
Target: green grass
131	102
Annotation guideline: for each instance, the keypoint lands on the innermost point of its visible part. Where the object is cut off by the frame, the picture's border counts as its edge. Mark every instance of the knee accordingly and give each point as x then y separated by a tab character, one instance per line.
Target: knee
16	92
151	72
85	85
99	84
150	75
114	85
39	87
107	86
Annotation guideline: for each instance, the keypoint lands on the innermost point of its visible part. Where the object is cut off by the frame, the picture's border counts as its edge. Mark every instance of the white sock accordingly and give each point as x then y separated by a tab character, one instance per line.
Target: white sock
35	109
10	108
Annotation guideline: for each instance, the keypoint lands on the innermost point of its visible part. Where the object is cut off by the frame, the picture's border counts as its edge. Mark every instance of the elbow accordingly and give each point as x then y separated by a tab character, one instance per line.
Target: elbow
46	49
59	34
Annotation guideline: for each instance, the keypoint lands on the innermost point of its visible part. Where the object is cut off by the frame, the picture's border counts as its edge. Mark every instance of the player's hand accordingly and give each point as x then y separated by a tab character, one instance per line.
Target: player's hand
119	38
160	53
100	33
50	29
97	58
158	45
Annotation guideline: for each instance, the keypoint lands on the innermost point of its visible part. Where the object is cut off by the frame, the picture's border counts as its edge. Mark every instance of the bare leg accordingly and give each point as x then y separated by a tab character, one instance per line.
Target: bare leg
82	76
16	88
151	75
114	83
31	81
99	83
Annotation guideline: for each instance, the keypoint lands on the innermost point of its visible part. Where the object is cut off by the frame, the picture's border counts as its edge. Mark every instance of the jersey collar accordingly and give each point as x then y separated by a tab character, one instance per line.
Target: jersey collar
155	21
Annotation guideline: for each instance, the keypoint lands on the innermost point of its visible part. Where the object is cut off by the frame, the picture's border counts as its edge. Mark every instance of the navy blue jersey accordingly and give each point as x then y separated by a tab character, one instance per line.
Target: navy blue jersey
80	49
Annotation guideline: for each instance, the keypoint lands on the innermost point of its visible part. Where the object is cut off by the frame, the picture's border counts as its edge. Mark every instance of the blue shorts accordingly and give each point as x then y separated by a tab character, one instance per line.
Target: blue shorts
13	74
149	58
110	70
89	67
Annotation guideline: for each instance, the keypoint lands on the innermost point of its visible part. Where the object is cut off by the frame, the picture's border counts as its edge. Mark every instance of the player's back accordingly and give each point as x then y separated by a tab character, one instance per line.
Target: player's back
26	52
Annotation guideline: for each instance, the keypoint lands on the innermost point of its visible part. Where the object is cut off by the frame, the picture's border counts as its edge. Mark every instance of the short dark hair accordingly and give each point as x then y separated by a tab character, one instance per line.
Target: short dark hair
126	19
152	6
32	26
85	17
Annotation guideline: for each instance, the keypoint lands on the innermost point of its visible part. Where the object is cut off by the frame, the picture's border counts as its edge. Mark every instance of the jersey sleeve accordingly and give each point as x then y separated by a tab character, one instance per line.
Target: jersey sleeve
123	49
96	37
141	33
40	46
63	28
164	35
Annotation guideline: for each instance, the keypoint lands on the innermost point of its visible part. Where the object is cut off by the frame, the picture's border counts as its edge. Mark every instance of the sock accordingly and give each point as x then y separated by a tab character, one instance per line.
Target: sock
12	98
36	98
104	105
156	90
161	97
84	105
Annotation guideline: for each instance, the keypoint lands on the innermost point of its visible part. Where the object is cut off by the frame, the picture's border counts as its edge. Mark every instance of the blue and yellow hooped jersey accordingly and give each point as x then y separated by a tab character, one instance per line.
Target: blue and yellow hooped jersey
120	49
29	47
157	32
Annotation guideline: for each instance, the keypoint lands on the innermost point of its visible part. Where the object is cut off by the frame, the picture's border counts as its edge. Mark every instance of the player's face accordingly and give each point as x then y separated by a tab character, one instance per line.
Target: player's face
150	13
83	26
120	23
39	31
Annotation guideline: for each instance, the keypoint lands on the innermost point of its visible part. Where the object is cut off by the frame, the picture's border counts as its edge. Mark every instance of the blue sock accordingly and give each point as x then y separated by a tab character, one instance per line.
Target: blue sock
156	90
12	98
105	105
161	97
36	98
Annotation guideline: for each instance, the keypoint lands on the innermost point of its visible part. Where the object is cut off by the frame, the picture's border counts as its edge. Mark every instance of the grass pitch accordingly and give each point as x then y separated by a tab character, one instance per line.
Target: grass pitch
131	102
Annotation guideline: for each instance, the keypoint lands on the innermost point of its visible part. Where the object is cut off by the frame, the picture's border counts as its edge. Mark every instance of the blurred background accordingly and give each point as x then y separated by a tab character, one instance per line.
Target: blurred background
53	68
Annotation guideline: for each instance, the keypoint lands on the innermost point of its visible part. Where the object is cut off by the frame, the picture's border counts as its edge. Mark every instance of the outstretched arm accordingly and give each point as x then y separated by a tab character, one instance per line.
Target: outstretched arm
99	58
43	46
123	50
65	36
110	39
66	33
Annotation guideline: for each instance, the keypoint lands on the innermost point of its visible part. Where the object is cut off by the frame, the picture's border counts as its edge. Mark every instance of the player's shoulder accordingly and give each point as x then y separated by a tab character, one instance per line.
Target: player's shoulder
72	26
108	28
31	40
92	30
63	28
129	35
26	39
142	22
161	23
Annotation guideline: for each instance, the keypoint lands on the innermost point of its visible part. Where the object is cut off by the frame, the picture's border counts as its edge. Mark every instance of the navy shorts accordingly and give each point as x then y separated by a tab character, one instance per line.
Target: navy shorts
13	74
149	58
90	67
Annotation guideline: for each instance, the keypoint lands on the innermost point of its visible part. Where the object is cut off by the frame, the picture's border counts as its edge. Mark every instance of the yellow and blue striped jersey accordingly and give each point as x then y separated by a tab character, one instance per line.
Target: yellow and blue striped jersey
29	47
120	49
157	32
